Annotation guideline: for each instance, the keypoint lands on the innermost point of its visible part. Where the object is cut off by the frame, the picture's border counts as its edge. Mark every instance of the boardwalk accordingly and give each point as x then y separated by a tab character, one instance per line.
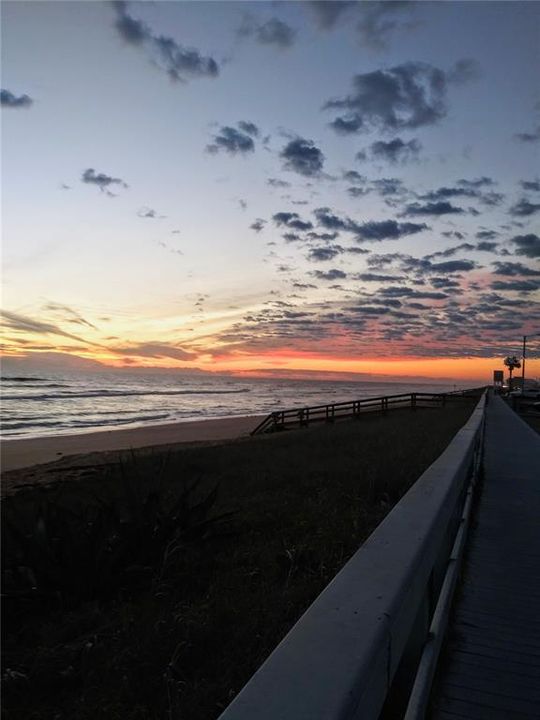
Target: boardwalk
491	668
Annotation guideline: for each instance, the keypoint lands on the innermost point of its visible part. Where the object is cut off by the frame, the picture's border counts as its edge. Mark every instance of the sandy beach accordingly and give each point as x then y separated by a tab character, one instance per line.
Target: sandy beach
23	453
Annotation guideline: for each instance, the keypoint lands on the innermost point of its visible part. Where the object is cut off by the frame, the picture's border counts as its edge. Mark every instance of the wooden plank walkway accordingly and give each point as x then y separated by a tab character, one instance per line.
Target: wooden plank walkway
490	669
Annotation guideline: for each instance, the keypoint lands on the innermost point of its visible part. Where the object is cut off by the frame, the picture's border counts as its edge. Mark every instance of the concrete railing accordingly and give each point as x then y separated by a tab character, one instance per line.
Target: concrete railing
355	651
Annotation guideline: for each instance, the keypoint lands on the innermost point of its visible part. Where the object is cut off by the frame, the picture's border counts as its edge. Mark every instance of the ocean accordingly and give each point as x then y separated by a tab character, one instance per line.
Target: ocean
36	405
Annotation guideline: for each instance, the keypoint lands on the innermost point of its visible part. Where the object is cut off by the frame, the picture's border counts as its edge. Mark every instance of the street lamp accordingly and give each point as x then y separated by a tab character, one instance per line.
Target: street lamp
523	363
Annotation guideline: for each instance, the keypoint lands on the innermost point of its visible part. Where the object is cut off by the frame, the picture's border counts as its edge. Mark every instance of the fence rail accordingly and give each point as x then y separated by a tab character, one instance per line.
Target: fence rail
304	416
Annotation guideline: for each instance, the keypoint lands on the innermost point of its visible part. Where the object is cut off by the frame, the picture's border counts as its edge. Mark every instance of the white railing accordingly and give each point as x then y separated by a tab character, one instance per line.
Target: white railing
359	644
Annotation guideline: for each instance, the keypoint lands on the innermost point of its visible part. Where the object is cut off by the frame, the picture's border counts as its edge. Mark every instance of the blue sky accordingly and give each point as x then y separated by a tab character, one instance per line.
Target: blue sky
204	232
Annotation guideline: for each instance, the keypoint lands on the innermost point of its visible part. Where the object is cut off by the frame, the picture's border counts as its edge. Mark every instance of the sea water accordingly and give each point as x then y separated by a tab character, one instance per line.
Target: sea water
52	404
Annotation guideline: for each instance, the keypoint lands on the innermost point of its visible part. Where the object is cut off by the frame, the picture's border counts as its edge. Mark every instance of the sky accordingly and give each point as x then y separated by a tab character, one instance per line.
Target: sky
271	187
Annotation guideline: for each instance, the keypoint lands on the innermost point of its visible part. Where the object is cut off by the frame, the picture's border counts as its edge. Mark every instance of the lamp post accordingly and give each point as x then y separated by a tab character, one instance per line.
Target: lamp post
524	354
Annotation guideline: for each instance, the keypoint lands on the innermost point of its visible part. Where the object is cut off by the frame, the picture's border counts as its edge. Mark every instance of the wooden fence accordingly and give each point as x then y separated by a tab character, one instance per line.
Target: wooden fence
304	416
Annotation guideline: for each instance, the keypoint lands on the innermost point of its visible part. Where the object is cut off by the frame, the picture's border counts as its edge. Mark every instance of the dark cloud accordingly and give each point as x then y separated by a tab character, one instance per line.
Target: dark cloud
177	61
373	230
274	182
273	32
324	254
486	234
388	230
407	292
354	177
389	186
525	286
292	237
449	252
395	151
453	233
524	208
9	100
328	12
477	183
405	96
432	208
378	277
249	128
444	193
258	225
146	212
485	246
329	274
452	266
515	268
303	157
529	137
103	181
527	245
232	141
291	220
326	237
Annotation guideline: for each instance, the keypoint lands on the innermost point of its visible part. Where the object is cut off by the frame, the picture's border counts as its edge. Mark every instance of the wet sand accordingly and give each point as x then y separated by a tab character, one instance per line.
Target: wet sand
24	453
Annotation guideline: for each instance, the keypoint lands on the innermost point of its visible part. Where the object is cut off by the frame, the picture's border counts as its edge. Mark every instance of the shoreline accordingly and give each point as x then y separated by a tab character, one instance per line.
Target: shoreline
26	452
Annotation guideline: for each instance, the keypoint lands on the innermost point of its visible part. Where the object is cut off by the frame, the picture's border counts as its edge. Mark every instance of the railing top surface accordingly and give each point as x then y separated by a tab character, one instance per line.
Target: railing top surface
338	661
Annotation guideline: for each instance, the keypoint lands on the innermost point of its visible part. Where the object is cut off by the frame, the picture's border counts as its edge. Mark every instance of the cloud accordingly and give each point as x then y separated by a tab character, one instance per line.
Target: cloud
328	12
527	245
529	137
531	185
329	274
291	220
525	286
146	212
372	230
524	208
453	266
354	177
405	96
432	208
388	230
258	225
26	324
477	183
514	268
407	292
177	61
303	157
273	32
378	20
486	234
395	151
103	181
232	141
154	350
68	314
324	254
9	100
485	246
274	182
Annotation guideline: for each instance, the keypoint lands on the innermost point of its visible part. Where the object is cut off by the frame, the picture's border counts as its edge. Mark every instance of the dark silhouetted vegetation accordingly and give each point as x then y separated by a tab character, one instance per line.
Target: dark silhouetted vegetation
144	592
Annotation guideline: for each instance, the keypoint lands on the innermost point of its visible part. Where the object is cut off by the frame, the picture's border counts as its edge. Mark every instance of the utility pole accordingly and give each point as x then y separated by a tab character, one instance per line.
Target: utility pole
523	364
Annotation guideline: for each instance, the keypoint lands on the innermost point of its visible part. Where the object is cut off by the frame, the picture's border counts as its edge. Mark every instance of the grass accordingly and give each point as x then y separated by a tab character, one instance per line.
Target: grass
182	637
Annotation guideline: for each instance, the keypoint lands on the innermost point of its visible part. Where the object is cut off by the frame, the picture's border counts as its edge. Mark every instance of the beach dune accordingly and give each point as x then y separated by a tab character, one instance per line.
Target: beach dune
27	452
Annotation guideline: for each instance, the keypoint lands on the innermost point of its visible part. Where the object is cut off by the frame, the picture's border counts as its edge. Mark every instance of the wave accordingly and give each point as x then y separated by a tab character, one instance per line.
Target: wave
28	378
121	393
10	426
